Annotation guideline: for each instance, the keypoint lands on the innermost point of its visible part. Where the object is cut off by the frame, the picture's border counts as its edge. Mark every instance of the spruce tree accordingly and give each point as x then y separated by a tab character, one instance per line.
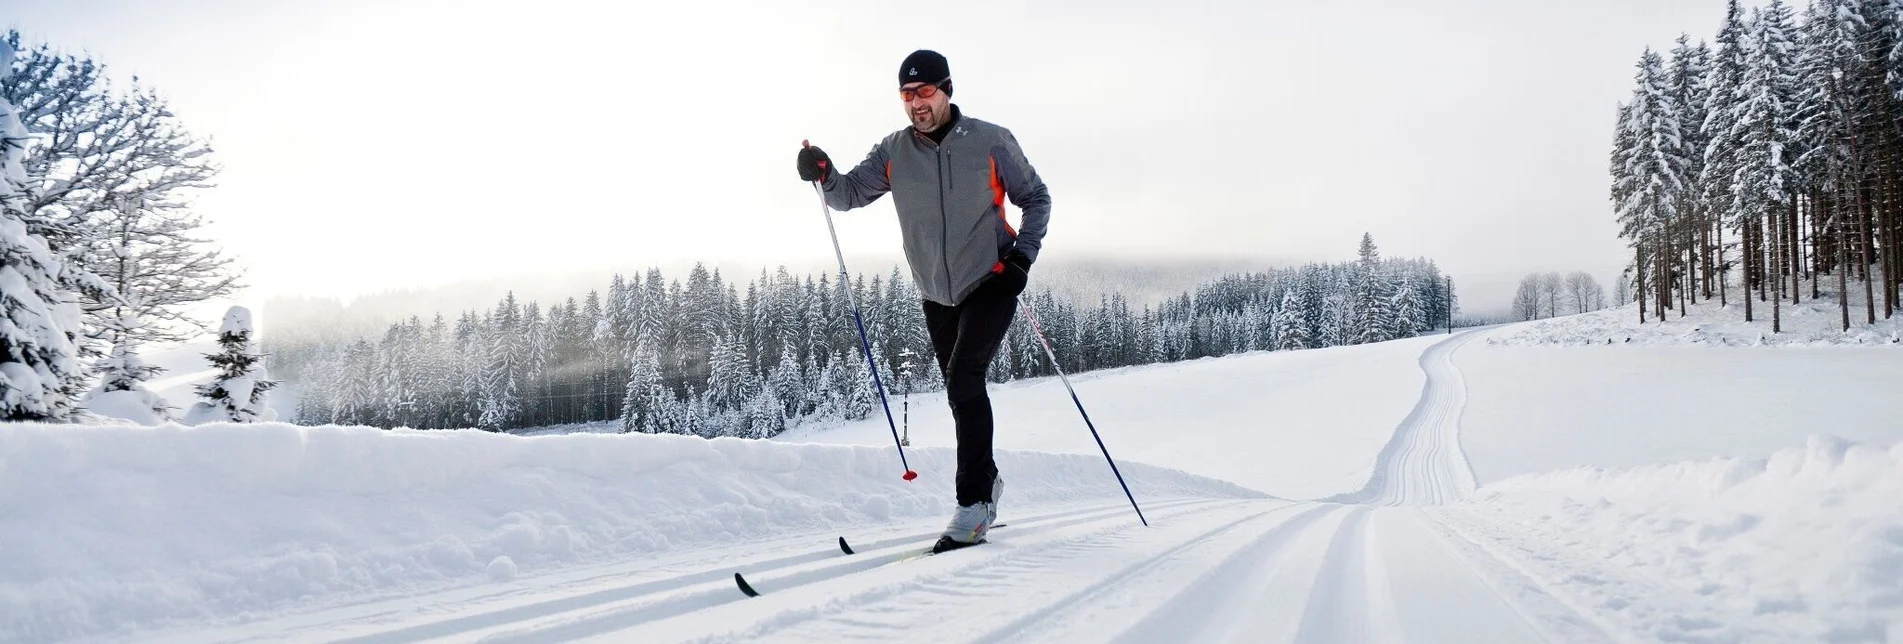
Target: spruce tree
1408	318
238	393
1649	186
1289	327
40	374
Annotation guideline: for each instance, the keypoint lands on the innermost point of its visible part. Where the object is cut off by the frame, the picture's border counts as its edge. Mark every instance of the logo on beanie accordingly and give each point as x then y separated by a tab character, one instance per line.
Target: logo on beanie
914	72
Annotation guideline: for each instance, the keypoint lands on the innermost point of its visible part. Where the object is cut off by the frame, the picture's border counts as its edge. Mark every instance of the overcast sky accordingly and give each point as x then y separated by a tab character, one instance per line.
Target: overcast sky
379	144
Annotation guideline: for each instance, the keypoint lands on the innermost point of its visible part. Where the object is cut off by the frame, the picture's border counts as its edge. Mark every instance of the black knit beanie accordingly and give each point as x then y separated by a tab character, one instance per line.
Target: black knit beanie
925	66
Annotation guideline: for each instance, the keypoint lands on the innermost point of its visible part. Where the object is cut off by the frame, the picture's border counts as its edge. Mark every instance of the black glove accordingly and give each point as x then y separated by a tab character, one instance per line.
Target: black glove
1017	272
813	164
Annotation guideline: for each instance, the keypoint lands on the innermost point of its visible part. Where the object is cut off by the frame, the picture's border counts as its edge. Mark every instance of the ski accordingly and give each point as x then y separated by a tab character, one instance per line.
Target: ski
943	545
847	547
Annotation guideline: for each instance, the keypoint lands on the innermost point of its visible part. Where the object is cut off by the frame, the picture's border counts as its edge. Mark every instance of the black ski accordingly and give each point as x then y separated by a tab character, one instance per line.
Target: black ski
943	545
947	544
847	548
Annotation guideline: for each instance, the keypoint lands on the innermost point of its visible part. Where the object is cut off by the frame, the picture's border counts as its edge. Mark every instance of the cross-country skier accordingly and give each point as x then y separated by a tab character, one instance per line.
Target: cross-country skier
949	175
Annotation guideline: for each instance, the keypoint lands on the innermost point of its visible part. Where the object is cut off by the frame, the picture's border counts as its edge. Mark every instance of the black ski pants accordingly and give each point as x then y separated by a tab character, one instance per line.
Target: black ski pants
965	338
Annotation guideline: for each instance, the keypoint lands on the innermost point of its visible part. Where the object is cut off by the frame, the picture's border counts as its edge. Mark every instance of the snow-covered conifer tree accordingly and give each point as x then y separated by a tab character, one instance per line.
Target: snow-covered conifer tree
40	374
238	394
1289	331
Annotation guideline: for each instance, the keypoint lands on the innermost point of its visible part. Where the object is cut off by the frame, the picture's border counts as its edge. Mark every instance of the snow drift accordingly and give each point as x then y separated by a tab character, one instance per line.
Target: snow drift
115	529
1806	545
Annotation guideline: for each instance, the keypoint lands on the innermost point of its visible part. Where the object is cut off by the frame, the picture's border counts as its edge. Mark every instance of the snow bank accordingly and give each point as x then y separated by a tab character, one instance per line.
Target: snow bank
115	529
1811	323
1807	543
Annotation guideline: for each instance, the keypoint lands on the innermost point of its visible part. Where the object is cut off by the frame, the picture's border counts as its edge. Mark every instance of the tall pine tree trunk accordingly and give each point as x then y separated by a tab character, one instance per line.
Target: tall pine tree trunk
1792	254
1718	236
1776	219
1762	256
1817	205
1638	275
1887	227
1746	253
1866	213
1843	262
1689	235
1704	246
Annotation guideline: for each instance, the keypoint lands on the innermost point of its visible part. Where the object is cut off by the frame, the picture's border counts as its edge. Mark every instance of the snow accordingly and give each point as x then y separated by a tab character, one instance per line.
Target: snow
1803	545
111	530
1479	492
1304	424
1536	409
237	320
1810	323
136	406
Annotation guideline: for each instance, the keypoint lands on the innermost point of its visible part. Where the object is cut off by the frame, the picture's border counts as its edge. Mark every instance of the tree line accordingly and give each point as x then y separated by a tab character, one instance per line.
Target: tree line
1774	154
711	356
1545	295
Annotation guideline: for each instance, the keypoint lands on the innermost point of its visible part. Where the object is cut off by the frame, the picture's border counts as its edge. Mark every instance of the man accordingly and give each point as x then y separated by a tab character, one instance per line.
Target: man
949	175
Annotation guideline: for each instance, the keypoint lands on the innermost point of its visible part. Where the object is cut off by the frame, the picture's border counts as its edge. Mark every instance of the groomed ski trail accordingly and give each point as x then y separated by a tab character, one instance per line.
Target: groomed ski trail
1382	564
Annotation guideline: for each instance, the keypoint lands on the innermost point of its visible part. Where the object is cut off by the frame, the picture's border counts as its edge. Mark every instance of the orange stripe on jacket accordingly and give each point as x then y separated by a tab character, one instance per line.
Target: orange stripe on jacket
997	198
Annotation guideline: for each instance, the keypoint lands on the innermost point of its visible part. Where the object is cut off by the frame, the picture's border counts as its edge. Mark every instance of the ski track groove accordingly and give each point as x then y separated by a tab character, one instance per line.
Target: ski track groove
1595	590
1340	604
1579	623
717	573
922	596
1211	603
574	625
1423	464
1040	617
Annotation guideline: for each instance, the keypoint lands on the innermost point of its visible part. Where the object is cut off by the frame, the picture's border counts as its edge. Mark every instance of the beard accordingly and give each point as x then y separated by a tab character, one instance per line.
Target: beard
927	122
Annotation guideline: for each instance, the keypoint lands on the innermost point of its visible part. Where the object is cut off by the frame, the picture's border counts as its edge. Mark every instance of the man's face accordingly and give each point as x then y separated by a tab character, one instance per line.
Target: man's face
926	112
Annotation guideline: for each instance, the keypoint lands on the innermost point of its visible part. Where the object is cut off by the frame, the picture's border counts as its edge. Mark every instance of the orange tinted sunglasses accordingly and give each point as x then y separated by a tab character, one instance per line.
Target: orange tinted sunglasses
922	91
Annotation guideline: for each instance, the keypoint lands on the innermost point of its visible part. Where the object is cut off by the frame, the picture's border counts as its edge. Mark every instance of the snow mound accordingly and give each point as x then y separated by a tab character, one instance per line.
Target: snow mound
117	529
138	406
1811	323
1807	542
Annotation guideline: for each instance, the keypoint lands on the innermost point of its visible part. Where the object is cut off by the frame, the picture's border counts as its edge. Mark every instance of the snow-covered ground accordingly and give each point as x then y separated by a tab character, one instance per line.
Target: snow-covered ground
1460	512
115	527
1296	424
1536	409
1805	545
1709	323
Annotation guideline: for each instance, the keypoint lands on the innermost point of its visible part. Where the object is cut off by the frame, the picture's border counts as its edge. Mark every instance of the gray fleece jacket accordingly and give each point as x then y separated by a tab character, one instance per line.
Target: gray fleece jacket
950	197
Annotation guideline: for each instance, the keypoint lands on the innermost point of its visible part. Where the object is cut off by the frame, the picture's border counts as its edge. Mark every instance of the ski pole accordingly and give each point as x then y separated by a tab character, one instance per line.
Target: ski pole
1039	332
846	283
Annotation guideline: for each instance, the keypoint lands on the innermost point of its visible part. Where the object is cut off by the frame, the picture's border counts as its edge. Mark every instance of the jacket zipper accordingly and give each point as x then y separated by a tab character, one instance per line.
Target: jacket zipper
944	225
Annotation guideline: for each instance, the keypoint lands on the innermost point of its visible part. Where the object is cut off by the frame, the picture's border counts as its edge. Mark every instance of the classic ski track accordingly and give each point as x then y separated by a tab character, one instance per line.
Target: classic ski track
1659	603
1223	595
1477	555
602	619
1005	567
1422	463
716	570
1264	570
1346	593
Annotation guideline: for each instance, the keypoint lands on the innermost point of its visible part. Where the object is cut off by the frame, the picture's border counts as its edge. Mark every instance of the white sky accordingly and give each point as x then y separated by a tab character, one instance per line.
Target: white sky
372	145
